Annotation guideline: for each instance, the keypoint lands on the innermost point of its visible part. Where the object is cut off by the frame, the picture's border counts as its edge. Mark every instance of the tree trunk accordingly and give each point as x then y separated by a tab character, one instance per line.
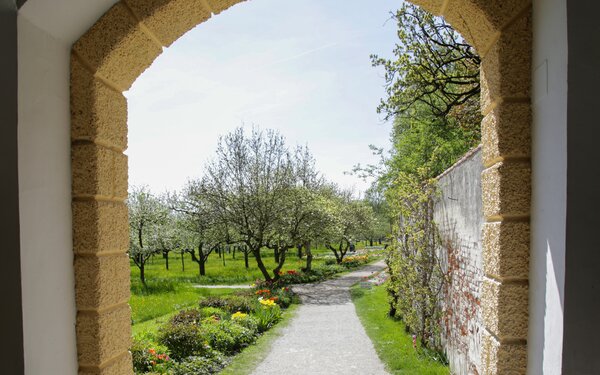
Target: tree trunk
201	265
309	257
223	257
300	253
246	258
261	265
143	274
276	254
182	262
166	255
280	263
234	249
370	242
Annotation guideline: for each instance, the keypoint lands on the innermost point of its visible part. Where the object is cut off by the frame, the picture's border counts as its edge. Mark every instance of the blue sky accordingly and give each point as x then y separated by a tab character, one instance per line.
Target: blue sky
301	67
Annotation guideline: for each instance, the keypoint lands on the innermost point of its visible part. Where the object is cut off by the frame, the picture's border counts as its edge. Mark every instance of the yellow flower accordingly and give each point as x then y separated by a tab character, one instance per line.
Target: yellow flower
239	315
267	302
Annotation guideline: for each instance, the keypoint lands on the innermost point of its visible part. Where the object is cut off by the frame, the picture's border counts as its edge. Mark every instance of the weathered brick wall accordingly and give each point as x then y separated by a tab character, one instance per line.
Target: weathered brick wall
459	215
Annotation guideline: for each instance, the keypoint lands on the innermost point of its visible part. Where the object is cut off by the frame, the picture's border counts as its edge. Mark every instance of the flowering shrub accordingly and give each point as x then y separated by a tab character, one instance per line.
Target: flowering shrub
355	261
238	315
247	321
267	314
147	358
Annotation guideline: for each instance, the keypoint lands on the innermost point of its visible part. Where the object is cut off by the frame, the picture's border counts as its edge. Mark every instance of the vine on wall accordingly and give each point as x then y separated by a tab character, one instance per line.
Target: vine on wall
417	278
433	286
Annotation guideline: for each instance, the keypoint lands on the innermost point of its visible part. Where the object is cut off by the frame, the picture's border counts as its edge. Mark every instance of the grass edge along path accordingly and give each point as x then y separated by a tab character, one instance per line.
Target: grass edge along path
249	358
392	344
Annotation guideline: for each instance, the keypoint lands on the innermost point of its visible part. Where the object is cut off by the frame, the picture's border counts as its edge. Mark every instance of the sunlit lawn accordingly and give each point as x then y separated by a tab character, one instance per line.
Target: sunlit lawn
392	343
230	272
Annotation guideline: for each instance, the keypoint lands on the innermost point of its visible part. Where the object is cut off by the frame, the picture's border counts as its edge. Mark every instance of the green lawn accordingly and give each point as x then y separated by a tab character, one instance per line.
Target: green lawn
392	343
146	306
233	272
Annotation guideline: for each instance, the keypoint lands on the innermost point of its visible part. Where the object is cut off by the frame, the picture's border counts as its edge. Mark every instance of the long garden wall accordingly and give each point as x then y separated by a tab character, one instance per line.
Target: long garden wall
458	213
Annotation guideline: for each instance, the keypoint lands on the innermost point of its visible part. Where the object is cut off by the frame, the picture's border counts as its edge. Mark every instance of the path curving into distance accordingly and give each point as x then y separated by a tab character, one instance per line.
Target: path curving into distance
326	336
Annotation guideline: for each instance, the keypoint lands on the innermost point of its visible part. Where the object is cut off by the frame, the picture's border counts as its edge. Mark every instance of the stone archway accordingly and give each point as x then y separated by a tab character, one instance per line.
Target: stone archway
108	58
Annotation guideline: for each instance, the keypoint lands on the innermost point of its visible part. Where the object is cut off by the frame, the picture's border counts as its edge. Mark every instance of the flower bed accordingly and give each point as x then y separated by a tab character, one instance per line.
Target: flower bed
202	340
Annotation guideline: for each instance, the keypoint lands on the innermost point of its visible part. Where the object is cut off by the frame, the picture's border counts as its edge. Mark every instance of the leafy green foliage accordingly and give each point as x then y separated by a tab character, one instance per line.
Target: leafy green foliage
417	279
183	340
147	356
227	336
231	304
433	66
267	316
390	337
211	363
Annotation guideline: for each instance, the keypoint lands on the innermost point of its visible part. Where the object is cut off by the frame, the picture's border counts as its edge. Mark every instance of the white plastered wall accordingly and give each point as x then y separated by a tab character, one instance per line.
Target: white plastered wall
46	30
549	165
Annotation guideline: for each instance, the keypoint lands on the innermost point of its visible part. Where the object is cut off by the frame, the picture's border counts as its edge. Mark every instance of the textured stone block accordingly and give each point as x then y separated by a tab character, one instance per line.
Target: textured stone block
103	336
506	68
218	6
499	13
100	227
93	169
120	366
506	189
101	281
98	113
506	249
170	19
506	131
501	358
117	47
432	6
504	309
120	175
470	21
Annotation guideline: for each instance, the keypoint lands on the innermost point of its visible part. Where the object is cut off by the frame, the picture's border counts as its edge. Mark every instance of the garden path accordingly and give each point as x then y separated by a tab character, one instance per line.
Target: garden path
325	336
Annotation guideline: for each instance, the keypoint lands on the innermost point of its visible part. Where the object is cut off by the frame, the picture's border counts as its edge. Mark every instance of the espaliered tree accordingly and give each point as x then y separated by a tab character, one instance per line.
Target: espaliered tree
146	215
248	183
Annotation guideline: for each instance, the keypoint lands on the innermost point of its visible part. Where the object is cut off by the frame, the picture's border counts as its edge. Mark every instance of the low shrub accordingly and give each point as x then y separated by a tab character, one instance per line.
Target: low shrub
355	261
231	303
221	314
227	336
182	340
211	363
246	320
188	316
148	356
330	261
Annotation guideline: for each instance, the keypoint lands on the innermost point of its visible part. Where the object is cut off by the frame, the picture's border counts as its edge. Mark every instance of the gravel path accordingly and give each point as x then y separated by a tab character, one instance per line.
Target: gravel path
325	336
223	286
